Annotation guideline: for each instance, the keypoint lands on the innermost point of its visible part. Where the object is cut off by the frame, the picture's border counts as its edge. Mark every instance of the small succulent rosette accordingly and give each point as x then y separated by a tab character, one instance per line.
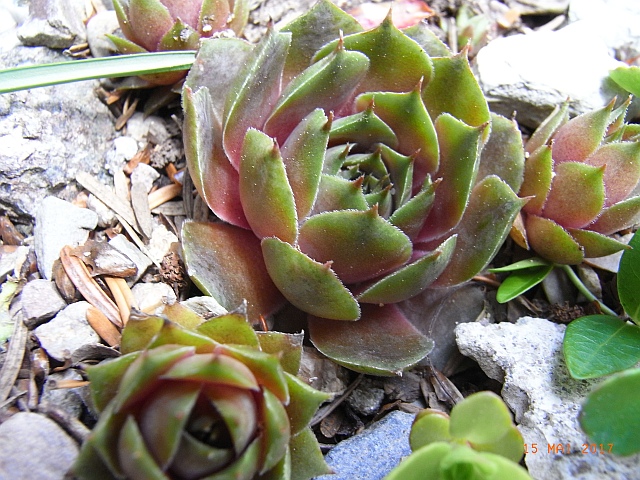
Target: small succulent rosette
164	25
478	441
350	170
214	401
582	179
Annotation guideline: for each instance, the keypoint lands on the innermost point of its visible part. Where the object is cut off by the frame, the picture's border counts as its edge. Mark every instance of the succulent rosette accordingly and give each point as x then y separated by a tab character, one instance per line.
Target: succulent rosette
581	176
350	170
203	403
164	25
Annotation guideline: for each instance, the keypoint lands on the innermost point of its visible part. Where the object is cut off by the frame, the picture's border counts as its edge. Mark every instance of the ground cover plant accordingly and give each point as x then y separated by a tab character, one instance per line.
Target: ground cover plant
348	172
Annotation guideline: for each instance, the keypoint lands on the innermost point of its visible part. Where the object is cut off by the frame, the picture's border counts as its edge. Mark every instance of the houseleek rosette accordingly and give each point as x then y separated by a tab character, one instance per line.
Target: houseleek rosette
350	171
164	25
192	405
582	176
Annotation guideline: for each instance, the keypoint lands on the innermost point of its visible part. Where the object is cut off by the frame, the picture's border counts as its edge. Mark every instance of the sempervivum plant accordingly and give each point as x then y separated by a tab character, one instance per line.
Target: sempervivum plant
209	402
346	169
162	25
581	175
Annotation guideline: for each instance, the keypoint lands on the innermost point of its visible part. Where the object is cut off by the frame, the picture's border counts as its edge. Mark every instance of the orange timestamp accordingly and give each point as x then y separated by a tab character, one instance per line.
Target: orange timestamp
567	448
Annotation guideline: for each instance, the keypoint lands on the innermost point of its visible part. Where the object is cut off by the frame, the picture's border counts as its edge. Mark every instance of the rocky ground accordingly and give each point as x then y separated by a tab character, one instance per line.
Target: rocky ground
79	164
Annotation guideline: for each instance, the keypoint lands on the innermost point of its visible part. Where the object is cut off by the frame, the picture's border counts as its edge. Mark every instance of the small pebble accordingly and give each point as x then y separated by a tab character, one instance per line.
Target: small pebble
40	302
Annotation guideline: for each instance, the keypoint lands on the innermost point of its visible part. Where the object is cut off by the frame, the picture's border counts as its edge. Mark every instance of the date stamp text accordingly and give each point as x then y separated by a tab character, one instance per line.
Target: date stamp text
568	448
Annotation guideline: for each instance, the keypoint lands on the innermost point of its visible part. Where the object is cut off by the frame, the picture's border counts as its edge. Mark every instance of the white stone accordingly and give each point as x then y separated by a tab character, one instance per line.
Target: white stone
67	331
59	223
151	297
532	73
99	25
527	358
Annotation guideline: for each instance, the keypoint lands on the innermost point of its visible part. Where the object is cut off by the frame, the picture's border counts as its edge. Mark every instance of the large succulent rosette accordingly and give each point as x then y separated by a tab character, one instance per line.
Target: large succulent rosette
582	176
350	171
164	25
205	403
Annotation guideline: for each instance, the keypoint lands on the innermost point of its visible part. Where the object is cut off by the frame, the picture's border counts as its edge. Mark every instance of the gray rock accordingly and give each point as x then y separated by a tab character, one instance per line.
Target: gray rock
530	74
150	297
615	21
33	446
366	398
40	302
147	129
527	357
538	7
98	26
47	136
59	223
54	23
68	399
106	216
373	453
142	262
205	306
67	331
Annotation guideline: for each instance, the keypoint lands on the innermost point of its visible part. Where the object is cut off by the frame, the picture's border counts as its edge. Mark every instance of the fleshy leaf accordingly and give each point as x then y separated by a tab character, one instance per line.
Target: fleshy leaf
337	193
125	46
213	176
233	53
481	418
407	116
304	403
503	154
364	128
162	420
265	193
306	458
577	194
135	459
225	262
288	347
180	37
595	244
322	24
628	78
538	174
411	279
379	246
382	342
401	172
320	292
230	328
275	431
459	158
397	62
580	137
139	332
212	17
610	413
209	367
303	156
492	208
552	242
622	215
424	463
428	40
411	216
327	84
558	117
151	19
429	426
455	90
255	93
106	377
622	169
121	7
598	345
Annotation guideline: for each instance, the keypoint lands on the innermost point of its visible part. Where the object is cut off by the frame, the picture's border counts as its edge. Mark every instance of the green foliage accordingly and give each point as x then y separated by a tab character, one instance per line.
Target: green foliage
524	275
628	78
22	78
478	441
600	345
202	401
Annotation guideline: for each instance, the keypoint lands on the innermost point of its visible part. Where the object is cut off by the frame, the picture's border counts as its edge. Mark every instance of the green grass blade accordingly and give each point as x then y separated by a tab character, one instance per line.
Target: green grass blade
22	78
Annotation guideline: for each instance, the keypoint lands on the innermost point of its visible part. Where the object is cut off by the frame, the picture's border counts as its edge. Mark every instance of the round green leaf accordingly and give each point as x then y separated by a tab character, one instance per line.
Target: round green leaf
598	345
629	279
610	414
480	418
521	281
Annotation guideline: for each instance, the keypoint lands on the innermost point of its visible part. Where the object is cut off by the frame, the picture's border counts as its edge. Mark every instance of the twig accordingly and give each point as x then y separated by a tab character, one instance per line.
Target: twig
584	290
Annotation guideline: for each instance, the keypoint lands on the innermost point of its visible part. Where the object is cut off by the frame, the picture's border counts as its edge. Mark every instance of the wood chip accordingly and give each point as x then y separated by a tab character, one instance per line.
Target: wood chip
170	209
91	291
140	204
103	327
106	196
128	111
164	194
143	156
14	356
122	295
